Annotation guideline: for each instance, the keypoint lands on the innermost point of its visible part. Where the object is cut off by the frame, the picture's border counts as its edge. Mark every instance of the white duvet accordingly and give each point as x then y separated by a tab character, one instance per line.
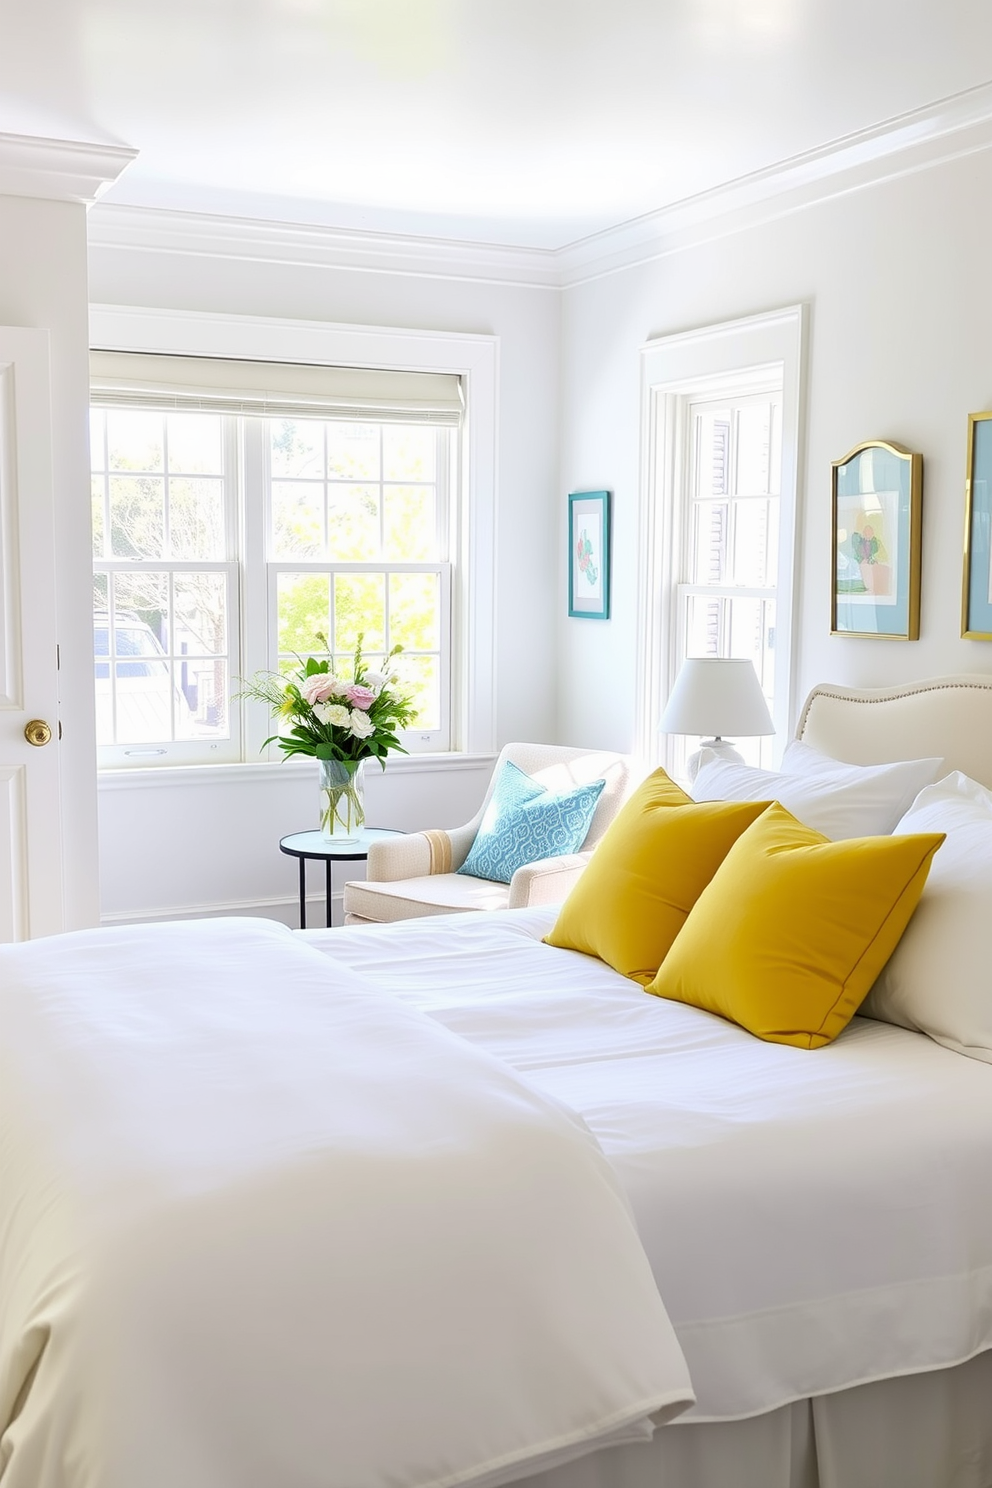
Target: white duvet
263	1226
814	1218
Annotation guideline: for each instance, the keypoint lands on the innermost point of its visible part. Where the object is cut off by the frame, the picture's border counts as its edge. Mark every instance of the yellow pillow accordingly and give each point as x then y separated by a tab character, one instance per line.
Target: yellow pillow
792	931
650	868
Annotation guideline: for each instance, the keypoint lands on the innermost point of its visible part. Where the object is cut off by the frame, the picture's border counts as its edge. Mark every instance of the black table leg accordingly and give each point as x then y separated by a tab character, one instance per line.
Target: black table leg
327	893
303	893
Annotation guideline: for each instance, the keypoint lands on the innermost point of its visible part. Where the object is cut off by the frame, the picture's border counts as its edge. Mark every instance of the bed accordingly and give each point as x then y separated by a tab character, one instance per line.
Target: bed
559	1192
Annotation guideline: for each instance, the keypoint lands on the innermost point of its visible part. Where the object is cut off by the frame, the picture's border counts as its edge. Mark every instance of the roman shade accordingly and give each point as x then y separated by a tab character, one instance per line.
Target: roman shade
273	389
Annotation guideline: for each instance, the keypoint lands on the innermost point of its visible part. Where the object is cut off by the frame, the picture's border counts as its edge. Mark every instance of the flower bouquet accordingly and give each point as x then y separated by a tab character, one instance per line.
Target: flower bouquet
340	722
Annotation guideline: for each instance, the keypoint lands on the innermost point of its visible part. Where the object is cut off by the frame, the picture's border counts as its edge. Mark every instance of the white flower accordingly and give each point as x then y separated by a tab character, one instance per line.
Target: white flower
375	681
335	714
360	723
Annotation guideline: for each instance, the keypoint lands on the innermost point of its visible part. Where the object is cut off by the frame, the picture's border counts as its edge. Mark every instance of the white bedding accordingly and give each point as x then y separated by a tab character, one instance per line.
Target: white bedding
814	1219
264	1227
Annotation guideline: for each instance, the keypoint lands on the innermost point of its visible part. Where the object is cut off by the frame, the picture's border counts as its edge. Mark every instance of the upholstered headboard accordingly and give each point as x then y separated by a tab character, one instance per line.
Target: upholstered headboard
947	716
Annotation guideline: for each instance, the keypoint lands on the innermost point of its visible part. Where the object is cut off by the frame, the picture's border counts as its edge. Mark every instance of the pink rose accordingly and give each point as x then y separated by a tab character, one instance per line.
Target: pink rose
319	687
360	697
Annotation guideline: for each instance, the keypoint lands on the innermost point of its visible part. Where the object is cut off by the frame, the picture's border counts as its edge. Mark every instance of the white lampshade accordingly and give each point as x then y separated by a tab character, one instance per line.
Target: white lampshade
717	696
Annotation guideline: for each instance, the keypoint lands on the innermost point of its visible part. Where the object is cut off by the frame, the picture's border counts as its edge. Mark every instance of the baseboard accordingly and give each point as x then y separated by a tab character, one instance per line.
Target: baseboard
286	910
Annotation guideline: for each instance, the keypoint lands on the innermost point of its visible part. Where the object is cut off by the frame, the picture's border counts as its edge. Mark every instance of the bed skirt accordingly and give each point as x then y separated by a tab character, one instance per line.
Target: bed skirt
929	1430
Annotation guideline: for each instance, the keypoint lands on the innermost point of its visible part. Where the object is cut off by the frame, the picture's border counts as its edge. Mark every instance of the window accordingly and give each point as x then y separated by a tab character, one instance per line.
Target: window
225	542
721	434
725	596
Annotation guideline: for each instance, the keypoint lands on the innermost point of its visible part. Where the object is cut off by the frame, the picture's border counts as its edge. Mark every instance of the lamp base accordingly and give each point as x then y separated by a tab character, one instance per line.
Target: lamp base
722	747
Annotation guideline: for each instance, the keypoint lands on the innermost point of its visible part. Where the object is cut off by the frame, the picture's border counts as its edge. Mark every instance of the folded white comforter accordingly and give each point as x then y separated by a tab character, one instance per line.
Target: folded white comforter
815	1218
262	1226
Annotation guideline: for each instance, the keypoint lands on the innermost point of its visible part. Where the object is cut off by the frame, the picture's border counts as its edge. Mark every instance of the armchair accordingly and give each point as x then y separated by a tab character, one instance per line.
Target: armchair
417	875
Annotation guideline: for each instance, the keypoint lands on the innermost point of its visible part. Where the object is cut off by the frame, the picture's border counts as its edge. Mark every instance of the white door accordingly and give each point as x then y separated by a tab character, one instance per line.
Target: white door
31	900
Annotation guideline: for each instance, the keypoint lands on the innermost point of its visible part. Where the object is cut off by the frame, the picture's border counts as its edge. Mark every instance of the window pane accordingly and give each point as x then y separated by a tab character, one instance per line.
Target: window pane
195	445
353	451
753	448
353	534
297	519
143	700
754	563
409	453
201	695
135	440
710	548
196	518
414	611
359	608
713	429
304	608
96	487
141	609
410	523
137	516
200	614
297	447
420	679
704	626
749	633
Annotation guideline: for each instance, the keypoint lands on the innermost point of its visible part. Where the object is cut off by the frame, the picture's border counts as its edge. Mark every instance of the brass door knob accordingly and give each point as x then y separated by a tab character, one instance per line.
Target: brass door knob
37	732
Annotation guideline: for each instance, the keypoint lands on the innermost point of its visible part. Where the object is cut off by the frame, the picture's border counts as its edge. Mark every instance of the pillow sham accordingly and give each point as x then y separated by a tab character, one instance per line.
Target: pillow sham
792	931
939	981
525	822
654	861
834	798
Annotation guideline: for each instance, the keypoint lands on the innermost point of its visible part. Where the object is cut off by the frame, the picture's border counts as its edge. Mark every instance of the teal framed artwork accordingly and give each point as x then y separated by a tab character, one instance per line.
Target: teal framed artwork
589	555
976	606
877	493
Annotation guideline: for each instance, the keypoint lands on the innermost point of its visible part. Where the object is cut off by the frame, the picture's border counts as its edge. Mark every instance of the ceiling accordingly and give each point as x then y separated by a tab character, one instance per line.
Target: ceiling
527	122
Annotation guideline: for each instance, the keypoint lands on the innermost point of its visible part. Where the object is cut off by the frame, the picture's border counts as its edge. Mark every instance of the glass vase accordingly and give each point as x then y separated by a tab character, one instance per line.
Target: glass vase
342	801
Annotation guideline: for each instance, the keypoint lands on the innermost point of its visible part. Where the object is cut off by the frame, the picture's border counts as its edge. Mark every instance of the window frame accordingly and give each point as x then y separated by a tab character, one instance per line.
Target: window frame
470	591
677	371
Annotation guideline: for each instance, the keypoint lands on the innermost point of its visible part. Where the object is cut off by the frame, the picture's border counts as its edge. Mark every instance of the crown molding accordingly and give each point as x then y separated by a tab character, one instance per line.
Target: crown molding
196	234
943	131
59	170
940	132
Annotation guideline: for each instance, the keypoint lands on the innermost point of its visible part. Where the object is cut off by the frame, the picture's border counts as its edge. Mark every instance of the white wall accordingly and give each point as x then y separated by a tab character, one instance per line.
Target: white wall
901	324
43	284
146	834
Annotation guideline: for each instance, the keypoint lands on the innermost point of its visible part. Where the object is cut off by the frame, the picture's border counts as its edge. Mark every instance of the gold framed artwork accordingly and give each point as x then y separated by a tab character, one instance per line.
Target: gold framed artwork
877	528
976	597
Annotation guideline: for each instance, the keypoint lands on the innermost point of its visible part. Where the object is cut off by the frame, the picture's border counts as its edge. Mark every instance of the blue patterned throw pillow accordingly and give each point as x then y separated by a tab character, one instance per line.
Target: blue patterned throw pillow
525	821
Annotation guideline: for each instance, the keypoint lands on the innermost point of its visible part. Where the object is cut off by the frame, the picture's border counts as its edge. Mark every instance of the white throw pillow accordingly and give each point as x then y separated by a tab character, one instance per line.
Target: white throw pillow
939	979
836	799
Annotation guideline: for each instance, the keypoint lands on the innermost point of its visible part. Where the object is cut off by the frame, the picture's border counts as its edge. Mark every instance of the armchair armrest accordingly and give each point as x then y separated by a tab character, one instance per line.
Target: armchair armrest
548	881
418	854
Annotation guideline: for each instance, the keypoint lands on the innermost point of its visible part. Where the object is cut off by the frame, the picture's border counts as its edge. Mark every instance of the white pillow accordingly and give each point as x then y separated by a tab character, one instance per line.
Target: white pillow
833	798
939	978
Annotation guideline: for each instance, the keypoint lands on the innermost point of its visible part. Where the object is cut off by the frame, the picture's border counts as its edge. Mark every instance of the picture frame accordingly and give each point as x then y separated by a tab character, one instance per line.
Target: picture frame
589	555
976	588
876	541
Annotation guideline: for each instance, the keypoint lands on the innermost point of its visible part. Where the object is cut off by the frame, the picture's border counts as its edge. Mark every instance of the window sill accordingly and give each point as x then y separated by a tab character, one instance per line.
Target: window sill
156	776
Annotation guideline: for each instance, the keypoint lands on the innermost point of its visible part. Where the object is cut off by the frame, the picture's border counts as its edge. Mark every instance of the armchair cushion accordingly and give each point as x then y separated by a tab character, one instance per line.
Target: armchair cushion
525	822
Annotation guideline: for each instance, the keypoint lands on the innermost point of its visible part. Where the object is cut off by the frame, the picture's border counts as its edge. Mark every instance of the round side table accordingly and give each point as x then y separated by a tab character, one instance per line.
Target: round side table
304	845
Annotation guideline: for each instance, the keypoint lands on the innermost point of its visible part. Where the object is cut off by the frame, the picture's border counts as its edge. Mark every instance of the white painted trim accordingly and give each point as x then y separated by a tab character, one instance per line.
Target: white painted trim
289	904
942	131
472	357
60	170
289	770
201	235
674	368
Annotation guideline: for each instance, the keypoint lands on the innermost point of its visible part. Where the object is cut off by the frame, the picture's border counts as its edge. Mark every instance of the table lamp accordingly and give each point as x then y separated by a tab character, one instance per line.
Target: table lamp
716	696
